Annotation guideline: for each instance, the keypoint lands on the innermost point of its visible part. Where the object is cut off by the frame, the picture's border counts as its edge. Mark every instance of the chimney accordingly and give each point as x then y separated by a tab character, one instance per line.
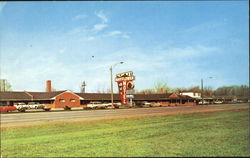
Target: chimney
48	86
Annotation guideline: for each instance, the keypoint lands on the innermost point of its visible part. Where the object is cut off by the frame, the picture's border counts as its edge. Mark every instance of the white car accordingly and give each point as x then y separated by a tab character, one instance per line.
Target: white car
92	105
144	104
34	105
204	102
98	105
218	102
106	105
21	106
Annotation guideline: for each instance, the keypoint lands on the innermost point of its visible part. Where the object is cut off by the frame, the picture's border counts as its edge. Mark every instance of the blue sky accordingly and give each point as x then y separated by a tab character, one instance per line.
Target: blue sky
176	42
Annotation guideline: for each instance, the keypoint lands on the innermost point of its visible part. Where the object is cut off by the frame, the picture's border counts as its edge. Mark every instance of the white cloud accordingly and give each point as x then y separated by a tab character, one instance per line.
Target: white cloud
102	16
103	24
206	49
68	70
176	66
99	27
90	34
91	38
125	35
186	52
79	17
119	33
113	33
148	66
77	30
210	25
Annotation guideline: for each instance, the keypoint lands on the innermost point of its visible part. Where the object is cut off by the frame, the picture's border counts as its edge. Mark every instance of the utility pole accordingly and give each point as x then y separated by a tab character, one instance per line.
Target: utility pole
111	80
202	91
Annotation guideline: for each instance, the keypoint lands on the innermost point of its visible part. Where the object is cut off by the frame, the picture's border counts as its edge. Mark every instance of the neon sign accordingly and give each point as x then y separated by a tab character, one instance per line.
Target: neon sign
125	82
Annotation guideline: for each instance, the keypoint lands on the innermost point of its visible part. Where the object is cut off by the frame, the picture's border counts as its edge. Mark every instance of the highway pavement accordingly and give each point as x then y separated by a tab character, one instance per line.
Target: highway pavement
37	118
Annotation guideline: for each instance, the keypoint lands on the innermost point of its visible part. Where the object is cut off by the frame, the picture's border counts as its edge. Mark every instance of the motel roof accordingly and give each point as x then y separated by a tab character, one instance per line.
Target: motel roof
45	95
98	96
14	96
24	95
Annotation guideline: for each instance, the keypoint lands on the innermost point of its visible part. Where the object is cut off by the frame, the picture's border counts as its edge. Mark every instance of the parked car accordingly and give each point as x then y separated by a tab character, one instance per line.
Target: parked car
143	104
155	104
218	102
104	105
33	105
234	102
7	108
117	105
204	102
93	105
146	104
22	107
240	101
98	105
46	107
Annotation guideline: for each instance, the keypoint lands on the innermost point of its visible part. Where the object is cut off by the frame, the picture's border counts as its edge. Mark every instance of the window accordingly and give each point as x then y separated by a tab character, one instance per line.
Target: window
61	100
72	100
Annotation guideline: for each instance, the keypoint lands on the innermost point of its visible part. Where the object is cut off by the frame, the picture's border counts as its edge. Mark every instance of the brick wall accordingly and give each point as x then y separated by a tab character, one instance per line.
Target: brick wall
66	99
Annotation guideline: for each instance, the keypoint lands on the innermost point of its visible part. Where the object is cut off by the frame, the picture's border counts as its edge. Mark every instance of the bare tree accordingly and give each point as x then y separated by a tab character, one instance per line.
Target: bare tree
161	87
5	85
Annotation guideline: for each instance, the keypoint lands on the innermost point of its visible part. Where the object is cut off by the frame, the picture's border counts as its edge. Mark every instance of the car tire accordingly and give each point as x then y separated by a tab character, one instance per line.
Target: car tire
22	110
47	109
67	108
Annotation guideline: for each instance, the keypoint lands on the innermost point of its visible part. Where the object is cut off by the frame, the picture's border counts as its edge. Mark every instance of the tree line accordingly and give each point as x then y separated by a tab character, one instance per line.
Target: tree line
236	90
161	87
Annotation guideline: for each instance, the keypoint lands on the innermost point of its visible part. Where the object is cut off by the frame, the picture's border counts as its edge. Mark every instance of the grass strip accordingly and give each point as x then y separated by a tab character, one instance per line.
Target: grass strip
213	134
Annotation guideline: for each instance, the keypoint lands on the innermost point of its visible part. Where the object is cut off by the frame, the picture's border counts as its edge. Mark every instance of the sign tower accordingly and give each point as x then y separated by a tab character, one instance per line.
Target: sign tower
125	83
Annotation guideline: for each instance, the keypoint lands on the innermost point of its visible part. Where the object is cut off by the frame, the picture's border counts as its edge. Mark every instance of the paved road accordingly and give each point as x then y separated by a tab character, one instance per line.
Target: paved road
36	118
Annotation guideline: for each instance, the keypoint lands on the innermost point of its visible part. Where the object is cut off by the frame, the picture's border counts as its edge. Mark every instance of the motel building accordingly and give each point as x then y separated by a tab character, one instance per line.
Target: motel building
62	99
66	98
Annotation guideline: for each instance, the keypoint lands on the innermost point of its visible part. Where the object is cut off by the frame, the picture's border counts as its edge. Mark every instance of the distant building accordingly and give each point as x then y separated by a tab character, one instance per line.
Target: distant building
195	95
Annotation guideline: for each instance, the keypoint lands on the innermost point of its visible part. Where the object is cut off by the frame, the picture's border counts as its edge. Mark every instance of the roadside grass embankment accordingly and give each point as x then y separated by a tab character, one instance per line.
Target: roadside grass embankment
211	134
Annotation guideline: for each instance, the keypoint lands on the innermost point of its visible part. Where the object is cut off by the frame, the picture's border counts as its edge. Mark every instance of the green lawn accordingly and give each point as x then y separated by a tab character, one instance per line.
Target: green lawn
214	134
